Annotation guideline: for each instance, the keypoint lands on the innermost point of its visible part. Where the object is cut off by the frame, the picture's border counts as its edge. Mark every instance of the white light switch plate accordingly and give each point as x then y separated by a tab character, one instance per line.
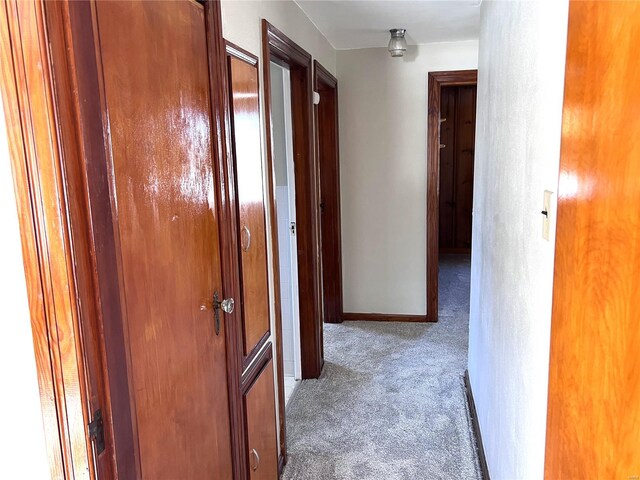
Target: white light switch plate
546	219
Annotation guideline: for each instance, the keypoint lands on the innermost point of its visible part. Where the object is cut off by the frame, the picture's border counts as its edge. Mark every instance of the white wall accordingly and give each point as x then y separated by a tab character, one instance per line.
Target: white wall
241	24
520	88
22	444
383	137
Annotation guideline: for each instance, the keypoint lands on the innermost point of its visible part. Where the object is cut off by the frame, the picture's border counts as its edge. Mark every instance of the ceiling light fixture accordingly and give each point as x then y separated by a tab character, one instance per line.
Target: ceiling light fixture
397	44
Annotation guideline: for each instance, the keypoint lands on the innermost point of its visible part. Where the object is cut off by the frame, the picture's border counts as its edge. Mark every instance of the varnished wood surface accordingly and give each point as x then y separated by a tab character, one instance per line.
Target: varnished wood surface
383	317
246	137
161	151
38	173
457	139
261	426
326	119
593	425
436	80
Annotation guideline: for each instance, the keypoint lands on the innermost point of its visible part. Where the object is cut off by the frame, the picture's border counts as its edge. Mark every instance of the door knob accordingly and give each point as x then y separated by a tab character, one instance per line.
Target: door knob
226	305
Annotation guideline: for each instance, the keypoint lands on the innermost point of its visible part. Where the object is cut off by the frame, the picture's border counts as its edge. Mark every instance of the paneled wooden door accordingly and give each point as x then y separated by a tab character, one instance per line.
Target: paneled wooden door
457	145
158	107
252	242
258	388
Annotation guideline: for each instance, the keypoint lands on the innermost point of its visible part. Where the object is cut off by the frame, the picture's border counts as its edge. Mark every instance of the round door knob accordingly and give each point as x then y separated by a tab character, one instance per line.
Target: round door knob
227	305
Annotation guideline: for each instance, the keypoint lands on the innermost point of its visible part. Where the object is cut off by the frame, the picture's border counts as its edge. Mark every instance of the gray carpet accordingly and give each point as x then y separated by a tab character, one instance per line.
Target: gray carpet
390	403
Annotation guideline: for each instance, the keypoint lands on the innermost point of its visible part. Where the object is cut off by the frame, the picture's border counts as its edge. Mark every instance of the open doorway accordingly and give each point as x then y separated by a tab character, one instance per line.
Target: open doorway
450	161
302	194
285	198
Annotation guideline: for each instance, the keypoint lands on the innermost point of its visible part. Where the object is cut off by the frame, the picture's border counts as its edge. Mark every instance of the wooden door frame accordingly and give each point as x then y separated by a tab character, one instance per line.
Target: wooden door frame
55	132
322	78
51	273
436	81
277	47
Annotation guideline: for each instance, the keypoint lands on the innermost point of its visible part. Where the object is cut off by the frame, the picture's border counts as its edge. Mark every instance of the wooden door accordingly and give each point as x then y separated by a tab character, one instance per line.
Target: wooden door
260	409
457	145
328	161
593	423
252	242
157	97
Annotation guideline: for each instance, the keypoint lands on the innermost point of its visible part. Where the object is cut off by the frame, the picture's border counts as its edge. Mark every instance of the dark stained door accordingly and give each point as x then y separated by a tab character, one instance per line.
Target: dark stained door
328	160
156	81
457	140
245	121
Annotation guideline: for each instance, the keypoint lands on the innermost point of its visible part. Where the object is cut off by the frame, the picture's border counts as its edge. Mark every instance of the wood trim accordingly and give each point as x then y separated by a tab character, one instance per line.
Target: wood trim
482	459
383	317
240	53
323	79
51	207
227	206
436	81
322	75
255	369
281	464
277	47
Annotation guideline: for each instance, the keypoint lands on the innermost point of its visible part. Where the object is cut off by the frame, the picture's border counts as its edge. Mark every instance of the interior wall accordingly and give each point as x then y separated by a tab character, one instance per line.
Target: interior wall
383	172
520	95
241	24
22	443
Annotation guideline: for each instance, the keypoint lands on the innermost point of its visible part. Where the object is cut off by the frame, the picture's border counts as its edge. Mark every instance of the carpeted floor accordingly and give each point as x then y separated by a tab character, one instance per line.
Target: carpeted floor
390	403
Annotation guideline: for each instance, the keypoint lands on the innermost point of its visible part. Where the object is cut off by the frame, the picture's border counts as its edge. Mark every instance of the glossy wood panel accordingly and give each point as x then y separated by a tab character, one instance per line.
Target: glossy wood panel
37	163
436	80
326	119
593	424
457	147
161	151
246	141
262	456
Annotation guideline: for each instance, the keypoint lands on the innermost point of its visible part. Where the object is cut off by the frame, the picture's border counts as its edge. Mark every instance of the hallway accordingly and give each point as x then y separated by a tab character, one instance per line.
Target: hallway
390	403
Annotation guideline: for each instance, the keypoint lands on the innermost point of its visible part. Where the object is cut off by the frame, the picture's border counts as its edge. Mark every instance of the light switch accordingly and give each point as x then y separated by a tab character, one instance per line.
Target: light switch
546	214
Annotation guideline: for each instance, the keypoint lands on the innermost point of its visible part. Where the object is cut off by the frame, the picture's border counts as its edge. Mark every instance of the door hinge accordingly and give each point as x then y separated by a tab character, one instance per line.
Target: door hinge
96	431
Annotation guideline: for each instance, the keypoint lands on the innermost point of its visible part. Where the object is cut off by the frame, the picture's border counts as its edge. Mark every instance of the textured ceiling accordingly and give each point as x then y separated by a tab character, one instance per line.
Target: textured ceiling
365	23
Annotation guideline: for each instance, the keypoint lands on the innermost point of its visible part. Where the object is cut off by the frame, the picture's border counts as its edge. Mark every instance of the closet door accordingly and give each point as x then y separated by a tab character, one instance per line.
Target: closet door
246	139
260	409
159	133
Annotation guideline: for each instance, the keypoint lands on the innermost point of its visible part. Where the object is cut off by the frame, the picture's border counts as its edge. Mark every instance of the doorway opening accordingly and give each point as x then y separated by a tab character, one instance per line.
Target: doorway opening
285	198
278	49
450	159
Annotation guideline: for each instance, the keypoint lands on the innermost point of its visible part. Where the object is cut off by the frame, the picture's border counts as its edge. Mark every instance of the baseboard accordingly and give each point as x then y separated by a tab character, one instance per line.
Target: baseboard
476	427
383	317
281	462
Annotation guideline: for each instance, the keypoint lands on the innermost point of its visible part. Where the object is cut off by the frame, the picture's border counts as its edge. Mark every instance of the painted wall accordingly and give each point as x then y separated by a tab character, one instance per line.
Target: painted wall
520	88
22	443
241	24
383	132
